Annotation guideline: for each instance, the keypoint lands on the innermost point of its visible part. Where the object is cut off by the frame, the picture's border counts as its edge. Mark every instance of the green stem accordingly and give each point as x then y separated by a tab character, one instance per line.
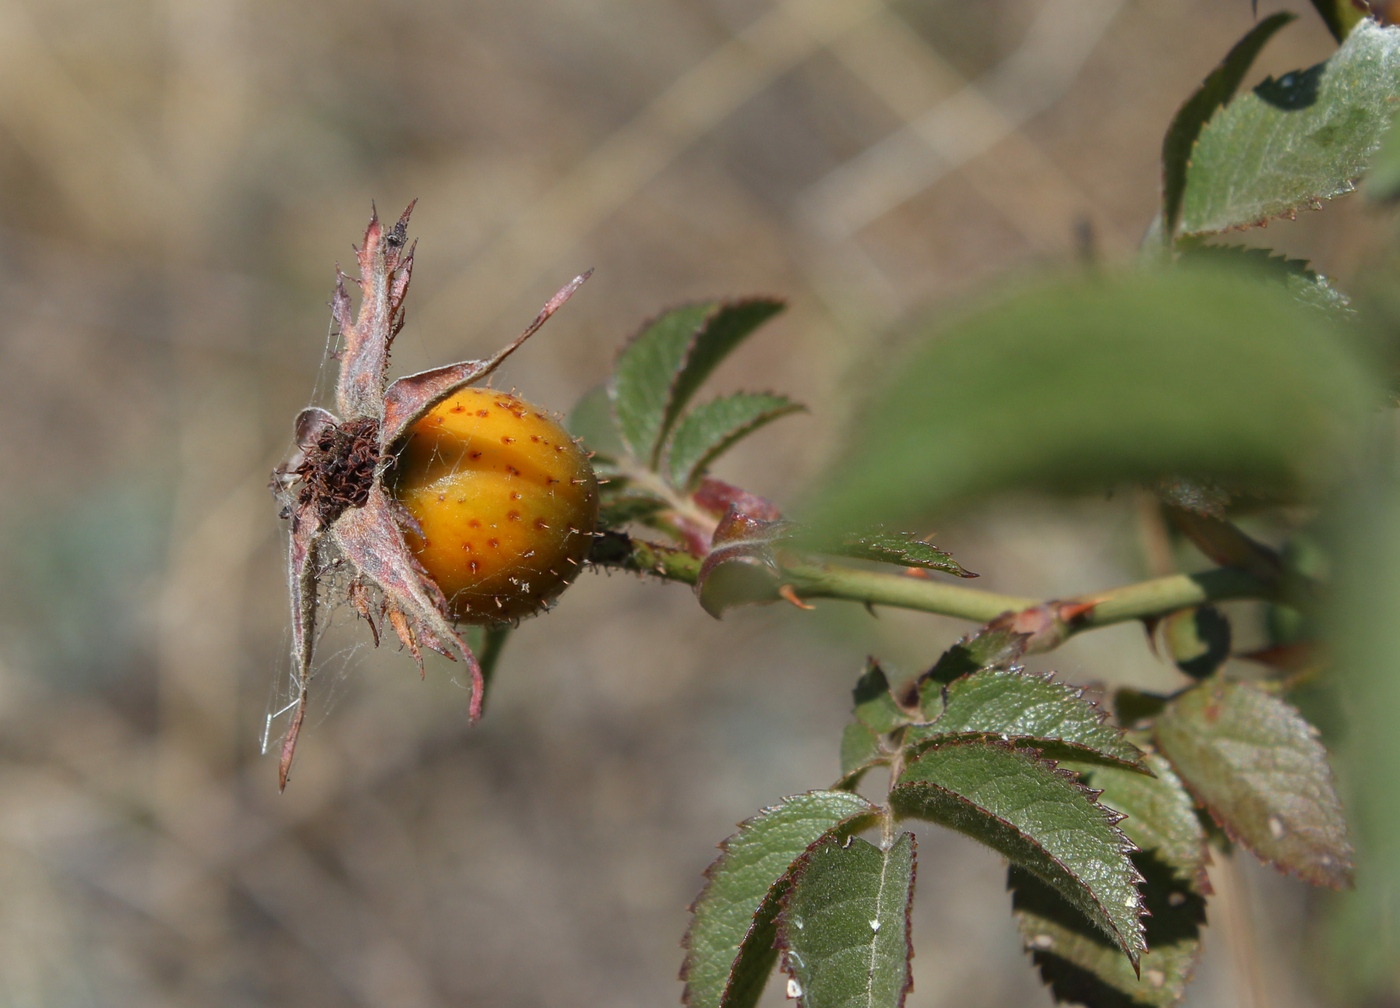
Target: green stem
1143	600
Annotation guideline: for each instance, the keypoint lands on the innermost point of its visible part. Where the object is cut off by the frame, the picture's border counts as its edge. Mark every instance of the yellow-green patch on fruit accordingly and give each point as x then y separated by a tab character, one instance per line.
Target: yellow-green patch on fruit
506	501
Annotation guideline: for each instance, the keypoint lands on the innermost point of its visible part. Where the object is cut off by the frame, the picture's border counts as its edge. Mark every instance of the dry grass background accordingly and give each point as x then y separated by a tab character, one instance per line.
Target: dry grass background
177	178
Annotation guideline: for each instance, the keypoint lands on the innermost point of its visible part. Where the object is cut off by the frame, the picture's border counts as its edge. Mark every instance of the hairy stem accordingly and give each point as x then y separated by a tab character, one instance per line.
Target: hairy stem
1142	600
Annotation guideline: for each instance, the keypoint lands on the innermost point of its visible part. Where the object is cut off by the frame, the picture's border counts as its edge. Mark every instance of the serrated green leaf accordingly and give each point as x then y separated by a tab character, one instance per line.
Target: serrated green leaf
1038	816
1257	766
875	706
1081	967
710	429
1092	382
729	947
1295	274
844	927
1074	959
1217	89
903	548
662	366
1051	716
983	649
592	419
1295	141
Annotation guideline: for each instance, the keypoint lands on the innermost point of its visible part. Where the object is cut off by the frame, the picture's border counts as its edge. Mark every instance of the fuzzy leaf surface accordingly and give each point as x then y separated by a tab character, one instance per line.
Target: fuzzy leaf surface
660	369
710	429
844	927
1039	817
1217	89
1252	760
1075	960
729	947
1295	141
1051	716
1091	382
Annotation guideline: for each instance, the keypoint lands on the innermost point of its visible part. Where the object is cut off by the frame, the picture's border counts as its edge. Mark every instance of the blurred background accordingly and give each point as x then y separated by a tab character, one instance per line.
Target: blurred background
178	179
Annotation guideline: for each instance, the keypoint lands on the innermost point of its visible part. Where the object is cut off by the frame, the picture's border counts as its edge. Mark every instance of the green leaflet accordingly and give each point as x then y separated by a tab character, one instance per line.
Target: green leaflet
660	369
1075	960
998	648
592	419
1258	767
1038	816
1295	274
860	750
1081	967
711	428
729	946
903	548
1217	89
1093	381
1295	141
844	927
1053	717
875	706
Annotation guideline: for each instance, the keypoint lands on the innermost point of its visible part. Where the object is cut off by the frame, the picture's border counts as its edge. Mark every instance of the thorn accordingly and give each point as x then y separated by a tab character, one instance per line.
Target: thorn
917	572
789	593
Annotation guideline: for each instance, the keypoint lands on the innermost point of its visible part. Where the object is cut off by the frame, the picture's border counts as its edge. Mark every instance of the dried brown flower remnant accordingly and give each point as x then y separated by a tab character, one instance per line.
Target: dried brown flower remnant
332	487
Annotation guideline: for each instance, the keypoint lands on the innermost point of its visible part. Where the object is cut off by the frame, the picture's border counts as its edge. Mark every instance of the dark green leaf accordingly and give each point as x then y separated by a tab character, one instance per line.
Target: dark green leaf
1038	816
1092	382
1217	89
1132	706
1051	716
729	947
660	369
710	429
903	548
844	927
875	707
1295	141
593	420
1197	639
1074	959
983	649
1257	766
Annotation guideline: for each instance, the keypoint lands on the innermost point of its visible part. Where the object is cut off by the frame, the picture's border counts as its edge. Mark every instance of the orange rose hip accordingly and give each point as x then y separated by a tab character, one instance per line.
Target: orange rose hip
506	501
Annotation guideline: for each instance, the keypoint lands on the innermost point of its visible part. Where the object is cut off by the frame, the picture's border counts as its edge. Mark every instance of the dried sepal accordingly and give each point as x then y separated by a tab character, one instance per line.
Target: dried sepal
331	487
